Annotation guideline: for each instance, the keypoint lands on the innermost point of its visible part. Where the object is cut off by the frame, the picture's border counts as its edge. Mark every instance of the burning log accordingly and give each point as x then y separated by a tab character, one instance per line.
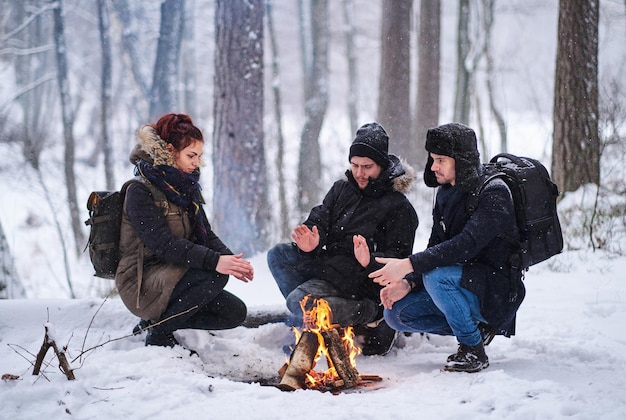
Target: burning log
339	358
321	337
301	362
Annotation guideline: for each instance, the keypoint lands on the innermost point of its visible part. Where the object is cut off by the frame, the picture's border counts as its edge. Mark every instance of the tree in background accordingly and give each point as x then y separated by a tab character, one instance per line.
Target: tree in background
394	102
241	213
576	144
462	97
315	67
68	124
164	93
351	54
428	76
105	93
284	224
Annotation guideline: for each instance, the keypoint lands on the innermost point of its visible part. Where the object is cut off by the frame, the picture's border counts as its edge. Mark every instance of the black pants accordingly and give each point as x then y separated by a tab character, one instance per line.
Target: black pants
215	308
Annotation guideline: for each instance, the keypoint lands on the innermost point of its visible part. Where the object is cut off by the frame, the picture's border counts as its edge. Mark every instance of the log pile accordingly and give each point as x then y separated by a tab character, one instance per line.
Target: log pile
321	337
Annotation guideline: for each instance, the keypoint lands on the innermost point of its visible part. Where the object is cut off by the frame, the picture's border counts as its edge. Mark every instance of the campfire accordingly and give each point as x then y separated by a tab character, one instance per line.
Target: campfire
319	337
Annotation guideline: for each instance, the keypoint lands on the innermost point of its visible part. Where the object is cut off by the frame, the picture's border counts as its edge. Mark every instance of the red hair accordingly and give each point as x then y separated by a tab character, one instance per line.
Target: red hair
178	130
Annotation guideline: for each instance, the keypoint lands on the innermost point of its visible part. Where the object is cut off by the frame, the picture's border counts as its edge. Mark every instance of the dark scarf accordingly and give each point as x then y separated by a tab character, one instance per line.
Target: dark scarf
181	189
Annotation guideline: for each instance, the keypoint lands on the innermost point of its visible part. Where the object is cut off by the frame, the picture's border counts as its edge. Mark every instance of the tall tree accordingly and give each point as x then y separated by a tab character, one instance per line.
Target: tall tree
164	92
284	221
351	53
316	102
462	98
240	204
394	91
105	92
576	145
68	124
428	76
33	75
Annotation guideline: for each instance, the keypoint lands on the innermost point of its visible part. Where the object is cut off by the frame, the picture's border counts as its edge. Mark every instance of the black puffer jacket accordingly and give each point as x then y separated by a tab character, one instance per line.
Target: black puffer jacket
381	213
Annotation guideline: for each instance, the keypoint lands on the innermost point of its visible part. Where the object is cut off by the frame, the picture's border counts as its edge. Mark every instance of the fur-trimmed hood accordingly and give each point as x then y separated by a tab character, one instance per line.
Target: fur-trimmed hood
400	175
152	148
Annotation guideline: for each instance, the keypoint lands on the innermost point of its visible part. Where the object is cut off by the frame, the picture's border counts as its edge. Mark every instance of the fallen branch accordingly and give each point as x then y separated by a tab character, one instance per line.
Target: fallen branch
48	341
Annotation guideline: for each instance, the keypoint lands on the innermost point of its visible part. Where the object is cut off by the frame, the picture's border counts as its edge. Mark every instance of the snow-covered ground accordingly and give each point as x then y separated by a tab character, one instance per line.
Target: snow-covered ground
568	360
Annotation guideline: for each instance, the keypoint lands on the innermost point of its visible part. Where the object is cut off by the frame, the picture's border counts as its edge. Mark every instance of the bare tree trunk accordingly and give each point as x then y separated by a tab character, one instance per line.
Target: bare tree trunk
488	17
284	224
189	65
131	46
462	92
353	82
105	93
33	72
394	98
68	125
428	76
576	145
164	93
316	102
240	183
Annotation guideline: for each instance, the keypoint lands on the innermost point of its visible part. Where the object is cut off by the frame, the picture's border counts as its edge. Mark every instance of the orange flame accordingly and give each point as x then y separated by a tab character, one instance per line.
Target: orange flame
317	319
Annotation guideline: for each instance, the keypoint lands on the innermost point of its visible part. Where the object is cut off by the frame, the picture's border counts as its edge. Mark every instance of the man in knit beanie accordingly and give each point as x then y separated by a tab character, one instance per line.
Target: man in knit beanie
460	284
363	216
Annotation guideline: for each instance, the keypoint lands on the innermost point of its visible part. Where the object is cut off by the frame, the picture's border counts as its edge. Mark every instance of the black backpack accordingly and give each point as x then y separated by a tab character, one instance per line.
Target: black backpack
534	197
105	218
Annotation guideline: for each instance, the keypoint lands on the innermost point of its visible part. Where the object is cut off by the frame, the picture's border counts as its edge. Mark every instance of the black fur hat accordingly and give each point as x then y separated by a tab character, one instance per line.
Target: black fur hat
457	141
371	141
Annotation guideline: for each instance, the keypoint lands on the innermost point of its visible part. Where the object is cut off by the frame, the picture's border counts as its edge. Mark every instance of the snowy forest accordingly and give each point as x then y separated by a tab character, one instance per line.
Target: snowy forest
279	88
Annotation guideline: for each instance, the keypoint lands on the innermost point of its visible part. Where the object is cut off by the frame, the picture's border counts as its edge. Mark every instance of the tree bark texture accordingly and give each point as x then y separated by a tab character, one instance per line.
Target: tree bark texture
428	76
284	221
68	125
576	145
105	92
240	205
164	93
394	102
316	102
462	91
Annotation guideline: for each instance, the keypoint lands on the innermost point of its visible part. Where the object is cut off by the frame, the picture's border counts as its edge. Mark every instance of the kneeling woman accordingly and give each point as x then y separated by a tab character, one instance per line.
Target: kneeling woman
173	268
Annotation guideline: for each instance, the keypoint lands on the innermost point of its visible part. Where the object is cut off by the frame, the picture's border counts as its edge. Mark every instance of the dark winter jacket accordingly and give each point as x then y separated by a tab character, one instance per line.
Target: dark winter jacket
162	236
476	240
381	213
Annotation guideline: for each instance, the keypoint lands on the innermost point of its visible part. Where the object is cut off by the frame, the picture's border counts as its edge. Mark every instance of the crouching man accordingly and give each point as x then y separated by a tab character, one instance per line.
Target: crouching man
461	284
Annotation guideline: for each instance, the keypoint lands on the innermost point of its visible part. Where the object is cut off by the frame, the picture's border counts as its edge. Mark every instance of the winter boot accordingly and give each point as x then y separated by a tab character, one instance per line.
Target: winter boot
156	337
141	326
378	340
468	359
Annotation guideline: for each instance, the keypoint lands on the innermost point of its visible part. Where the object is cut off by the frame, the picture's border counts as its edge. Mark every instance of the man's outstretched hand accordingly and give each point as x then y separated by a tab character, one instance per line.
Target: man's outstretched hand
306	239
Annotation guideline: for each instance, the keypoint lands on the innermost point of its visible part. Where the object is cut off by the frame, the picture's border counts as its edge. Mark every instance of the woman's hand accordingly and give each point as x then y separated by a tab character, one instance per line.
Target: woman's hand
361	250
235	265
306	239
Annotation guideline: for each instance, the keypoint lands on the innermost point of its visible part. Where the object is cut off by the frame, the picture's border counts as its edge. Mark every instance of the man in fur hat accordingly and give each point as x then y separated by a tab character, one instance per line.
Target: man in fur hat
363	216
460	284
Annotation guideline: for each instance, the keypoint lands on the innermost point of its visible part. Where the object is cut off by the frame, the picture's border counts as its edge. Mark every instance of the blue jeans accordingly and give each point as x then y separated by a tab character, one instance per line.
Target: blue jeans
296	279
443	307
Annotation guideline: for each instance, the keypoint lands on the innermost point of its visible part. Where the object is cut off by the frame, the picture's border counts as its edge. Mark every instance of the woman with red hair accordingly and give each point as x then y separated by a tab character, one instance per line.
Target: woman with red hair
173	268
